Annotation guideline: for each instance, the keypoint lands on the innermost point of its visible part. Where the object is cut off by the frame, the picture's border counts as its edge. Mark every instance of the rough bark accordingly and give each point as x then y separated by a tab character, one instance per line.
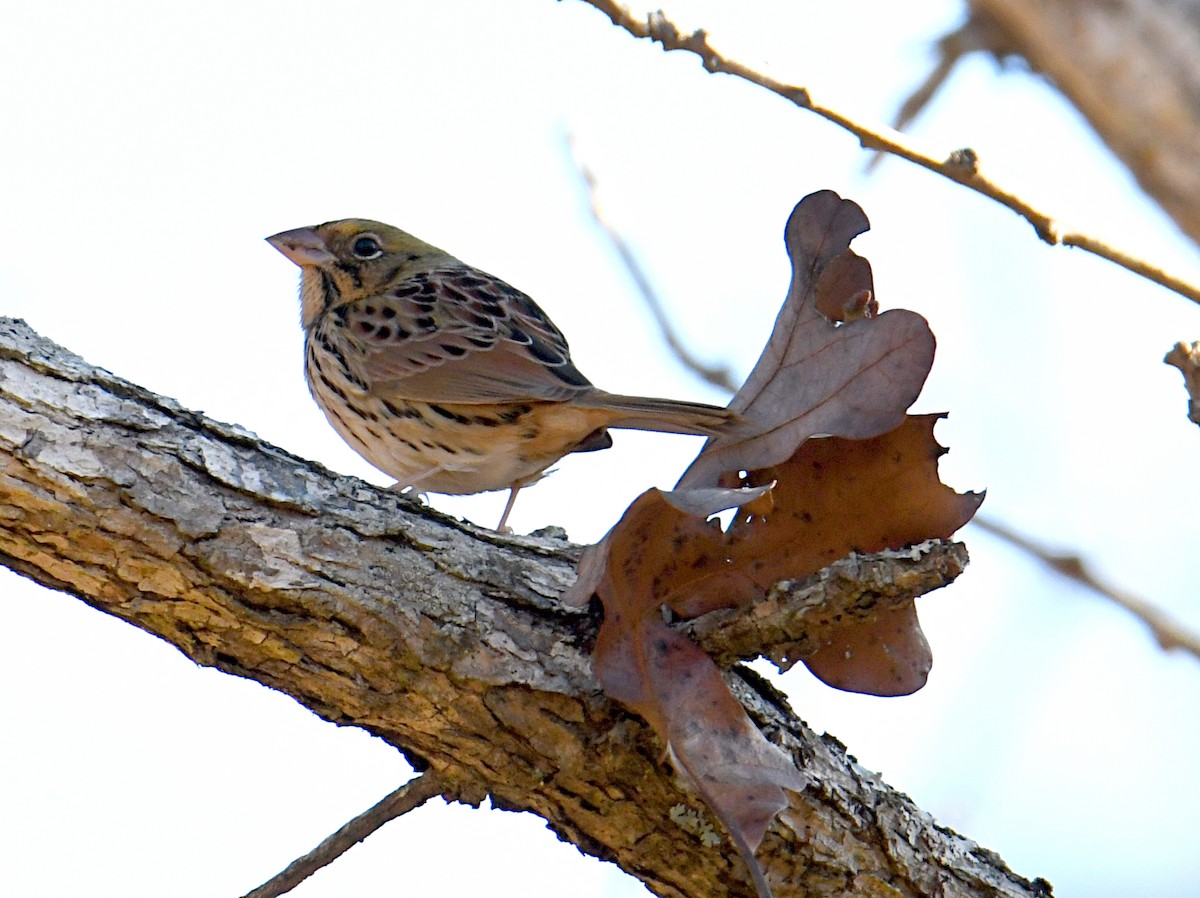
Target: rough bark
1131	67
443	639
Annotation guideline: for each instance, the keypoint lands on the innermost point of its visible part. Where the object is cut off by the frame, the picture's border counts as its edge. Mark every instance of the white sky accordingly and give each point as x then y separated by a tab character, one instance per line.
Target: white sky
148	148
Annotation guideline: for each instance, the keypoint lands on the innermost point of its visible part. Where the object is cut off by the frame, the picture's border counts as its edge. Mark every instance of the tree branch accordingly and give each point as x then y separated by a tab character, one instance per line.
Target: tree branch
1131	68
961	166
800	614
445	640
408	797
718	376
975	34
1168	632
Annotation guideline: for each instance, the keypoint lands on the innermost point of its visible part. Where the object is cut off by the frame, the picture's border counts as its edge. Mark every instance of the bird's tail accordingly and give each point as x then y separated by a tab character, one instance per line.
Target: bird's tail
664	415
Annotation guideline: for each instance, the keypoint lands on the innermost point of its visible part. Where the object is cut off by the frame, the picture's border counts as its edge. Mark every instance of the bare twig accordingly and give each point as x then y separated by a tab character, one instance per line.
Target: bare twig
975	34
960	166
411	795
1169	633
1186	357
718	376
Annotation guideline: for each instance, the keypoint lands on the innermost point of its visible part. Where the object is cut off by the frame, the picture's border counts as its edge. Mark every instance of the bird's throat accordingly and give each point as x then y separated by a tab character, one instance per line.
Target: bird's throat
318	292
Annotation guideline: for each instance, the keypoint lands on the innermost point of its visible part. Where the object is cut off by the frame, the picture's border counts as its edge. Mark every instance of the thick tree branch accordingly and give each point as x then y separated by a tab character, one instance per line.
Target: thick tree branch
445	640
961	166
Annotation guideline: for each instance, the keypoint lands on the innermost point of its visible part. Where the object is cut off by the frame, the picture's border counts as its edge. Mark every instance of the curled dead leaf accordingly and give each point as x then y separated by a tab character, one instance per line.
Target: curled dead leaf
815	376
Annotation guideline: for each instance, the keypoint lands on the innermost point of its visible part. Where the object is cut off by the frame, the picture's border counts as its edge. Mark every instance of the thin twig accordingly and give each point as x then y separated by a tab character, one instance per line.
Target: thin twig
975	34
1169	633
961	166
718	376
411	795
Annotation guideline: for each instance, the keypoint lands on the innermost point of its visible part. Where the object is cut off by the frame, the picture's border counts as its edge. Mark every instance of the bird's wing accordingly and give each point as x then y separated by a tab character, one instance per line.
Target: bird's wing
460	335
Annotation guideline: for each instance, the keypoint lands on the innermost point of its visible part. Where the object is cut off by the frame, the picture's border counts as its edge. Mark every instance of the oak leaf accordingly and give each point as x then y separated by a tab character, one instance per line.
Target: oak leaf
835	496
665	548
817	376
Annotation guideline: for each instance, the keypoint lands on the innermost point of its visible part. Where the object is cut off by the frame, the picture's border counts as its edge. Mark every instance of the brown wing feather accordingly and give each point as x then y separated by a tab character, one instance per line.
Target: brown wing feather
502	347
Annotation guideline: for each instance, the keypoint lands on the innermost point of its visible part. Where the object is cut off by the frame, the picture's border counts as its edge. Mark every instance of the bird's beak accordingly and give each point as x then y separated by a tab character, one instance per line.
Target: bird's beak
303	246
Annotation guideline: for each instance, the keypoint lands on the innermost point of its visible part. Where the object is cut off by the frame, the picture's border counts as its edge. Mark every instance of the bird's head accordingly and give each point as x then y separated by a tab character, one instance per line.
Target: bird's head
342	261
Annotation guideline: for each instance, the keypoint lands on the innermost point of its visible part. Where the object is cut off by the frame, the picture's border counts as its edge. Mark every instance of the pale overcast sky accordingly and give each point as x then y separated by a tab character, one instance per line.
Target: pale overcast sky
149	148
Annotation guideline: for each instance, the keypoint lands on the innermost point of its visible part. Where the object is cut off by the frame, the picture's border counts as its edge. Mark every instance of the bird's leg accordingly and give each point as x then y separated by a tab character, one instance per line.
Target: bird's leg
508	507
410	492
411	486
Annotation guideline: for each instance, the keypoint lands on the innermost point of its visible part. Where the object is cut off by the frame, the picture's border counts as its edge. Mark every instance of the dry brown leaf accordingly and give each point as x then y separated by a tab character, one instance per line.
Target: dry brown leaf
836	496
816	377
671	555
845	290
886	654
699	504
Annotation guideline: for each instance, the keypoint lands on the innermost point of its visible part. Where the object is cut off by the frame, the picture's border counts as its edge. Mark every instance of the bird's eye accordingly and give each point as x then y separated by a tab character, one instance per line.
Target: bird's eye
367	247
